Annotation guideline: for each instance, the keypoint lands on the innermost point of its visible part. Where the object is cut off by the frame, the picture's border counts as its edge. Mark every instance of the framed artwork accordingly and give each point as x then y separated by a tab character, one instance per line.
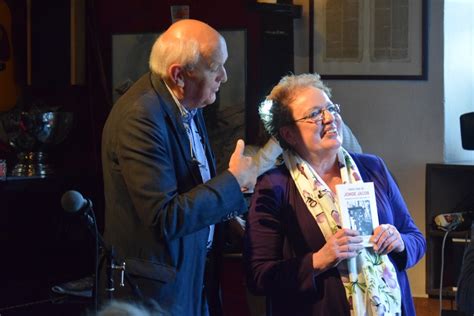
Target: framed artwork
130	54
370	39
225	119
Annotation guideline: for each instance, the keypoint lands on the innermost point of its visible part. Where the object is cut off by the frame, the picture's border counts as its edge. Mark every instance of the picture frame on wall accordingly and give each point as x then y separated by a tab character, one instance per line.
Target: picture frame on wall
225	118
369	39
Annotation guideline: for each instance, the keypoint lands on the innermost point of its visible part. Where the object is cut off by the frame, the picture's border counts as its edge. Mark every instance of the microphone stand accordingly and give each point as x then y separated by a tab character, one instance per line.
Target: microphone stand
111	261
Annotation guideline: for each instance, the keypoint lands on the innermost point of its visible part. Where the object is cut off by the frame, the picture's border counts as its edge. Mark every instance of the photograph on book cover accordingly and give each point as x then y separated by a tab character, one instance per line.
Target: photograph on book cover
370	39
358	208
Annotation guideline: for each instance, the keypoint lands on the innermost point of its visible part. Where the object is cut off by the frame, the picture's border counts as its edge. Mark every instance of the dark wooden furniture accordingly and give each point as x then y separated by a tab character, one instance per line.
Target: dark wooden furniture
449	189
274	56
42	246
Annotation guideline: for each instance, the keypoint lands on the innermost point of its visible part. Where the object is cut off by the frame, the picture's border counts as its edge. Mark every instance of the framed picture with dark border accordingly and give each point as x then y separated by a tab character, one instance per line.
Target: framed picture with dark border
370	39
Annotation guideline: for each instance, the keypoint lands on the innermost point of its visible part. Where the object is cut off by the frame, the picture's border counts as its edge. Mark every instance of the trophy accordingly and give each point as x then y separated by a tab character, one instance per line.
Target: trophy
32	135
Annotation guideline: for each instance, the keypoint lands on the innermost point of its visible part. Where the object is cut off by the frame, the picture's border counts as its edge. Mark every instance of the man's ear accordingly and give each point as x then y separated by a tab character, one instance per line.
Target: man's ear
176	74
288	134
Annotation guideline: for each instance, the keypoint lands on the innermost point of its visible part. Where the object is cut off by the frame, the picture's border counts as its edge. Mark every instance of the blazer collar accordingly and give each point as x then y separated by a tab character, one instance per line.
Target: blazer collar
172	111
163	93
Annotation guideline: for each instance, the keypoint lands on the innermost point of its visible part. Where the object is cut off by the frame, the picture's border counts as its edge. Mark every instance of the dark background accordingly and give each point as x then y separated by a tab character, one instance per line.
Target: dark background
41	244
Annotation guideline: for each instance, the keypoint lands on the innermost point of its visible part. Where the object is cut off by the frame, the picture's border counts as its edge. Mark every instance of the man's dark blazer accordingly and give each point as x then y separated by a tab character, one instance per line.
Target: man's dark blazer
158	211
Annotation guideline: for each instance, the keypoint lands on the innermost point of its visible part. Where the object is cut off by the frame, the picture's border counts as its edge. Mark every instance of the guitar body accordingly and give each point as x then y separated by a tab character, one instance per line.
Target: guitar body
8	87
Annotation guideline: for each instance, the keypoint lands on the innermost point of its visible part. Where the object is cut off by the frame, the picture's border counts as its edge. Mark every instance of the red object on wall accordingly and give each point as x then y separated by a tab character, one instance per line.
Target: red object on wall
8	87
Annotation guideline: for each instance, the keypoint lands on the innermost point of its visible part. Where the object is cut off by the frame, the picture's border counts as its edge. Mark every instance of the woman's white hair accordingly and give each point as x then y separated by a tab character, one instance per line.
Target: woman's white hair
165	52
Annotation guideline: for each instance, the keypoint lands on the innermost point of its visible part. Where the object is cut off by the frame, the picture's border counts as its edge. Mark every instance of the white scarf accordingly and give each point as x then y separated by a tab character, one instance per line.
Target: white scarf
369	279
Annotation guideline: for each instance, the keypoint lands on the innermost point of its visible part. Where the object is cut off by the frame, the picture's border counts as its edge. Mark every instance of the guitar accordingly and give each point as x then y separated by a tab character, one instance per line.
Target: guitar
8	87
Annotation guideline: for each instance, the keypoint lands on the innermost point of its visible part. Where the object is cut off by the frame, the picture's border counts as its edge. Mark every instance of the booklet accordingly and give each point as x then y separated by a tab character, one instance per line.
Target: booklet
358	208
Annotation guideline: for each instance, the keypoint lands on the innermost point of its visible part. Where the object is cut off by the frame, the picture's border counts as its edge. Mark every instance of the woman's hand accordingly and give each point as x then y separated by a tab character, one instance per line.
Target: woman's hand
344	244
386	239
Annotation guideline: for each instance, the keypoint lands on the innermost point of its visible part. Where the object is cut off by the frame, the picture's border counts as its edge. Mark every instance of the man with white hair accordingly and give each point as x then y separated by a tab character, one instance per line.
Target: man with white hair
162	194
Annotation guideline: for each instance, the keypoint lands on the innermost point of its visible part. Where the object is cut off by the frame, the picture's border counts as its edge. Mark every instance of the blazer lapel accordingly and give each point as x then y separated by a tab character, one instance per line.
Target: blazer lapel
199	119
176	124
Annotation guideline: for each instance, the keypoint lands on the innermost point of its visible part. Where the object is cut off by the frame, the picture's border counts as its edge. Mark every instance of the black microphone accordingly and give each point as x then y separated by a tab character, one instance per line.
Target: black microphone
73	202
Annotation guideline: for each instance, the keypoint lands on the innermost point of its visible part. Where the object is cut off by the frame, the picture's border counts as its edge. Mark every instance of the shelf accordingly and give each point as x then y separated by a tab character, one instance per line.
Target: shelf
452	165
461	240
295	11
448	292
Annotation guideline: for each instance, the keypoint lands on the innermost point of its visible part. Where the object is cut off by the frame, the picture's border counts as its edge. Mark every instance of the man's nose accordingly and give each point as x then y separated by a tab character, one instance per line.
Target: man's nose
223	76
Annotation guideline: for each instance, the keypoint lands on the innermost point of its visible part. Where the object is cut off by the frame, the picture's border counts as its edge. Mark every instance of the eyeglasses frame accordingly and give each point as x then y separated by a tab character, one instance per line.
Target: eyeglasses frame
320	116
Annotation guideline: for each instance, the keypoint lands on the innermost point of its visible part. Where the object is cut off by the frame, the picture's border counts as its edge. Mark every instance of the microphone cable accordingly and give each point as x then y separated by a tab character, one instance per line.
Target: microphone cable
450	229
96	261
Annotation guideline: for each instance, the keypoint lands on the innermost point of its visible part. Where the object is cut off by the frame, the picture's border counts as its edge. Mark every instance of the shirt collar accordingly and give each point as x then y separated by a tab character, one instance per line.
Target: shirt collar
186	115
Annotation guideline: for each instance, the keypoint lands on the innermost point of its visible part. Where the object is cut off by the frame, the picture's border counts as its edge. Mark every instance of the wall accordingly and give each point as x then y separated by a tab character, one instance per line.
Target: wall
401	121
459	73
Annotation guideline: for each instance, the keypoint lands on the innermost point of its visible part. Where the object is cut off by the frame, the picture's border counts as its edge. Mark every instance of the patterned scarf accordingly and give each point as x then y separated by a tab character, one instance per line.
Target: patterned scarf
369	279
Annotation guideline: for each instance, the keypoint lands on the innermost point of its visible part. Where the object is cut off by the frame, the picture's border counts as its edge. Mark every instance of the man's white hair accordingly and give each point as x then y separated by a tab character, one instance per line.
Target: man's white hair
183	51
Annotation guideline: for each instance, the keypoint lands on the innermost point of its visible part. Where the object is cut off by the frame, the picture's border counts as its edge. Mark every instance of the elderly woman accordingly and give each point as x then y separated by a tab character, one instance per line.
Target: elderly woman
296	252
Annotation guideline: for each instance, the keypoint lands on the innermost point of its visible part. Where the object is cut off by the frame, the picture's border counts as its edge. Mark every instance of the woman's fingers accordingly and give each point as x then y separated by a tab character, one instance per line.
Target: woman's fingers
386	239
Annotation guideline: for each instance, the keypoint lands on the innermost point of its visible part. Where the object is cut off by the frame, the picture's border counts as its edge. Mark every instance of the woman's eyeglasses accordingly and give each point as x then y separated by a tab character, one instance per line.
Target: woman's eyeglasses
317	115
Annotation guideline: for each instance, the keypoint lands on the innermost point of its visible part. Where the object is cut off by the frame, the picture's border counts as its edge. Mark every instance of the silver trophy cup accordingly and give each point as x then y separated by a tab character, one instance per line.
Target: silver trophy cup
32	135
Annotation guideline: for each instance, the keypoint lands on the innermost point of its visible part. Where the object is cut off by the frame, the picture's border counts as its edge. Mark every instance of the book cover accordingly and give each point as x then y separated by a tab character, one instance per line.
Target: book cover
358	208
